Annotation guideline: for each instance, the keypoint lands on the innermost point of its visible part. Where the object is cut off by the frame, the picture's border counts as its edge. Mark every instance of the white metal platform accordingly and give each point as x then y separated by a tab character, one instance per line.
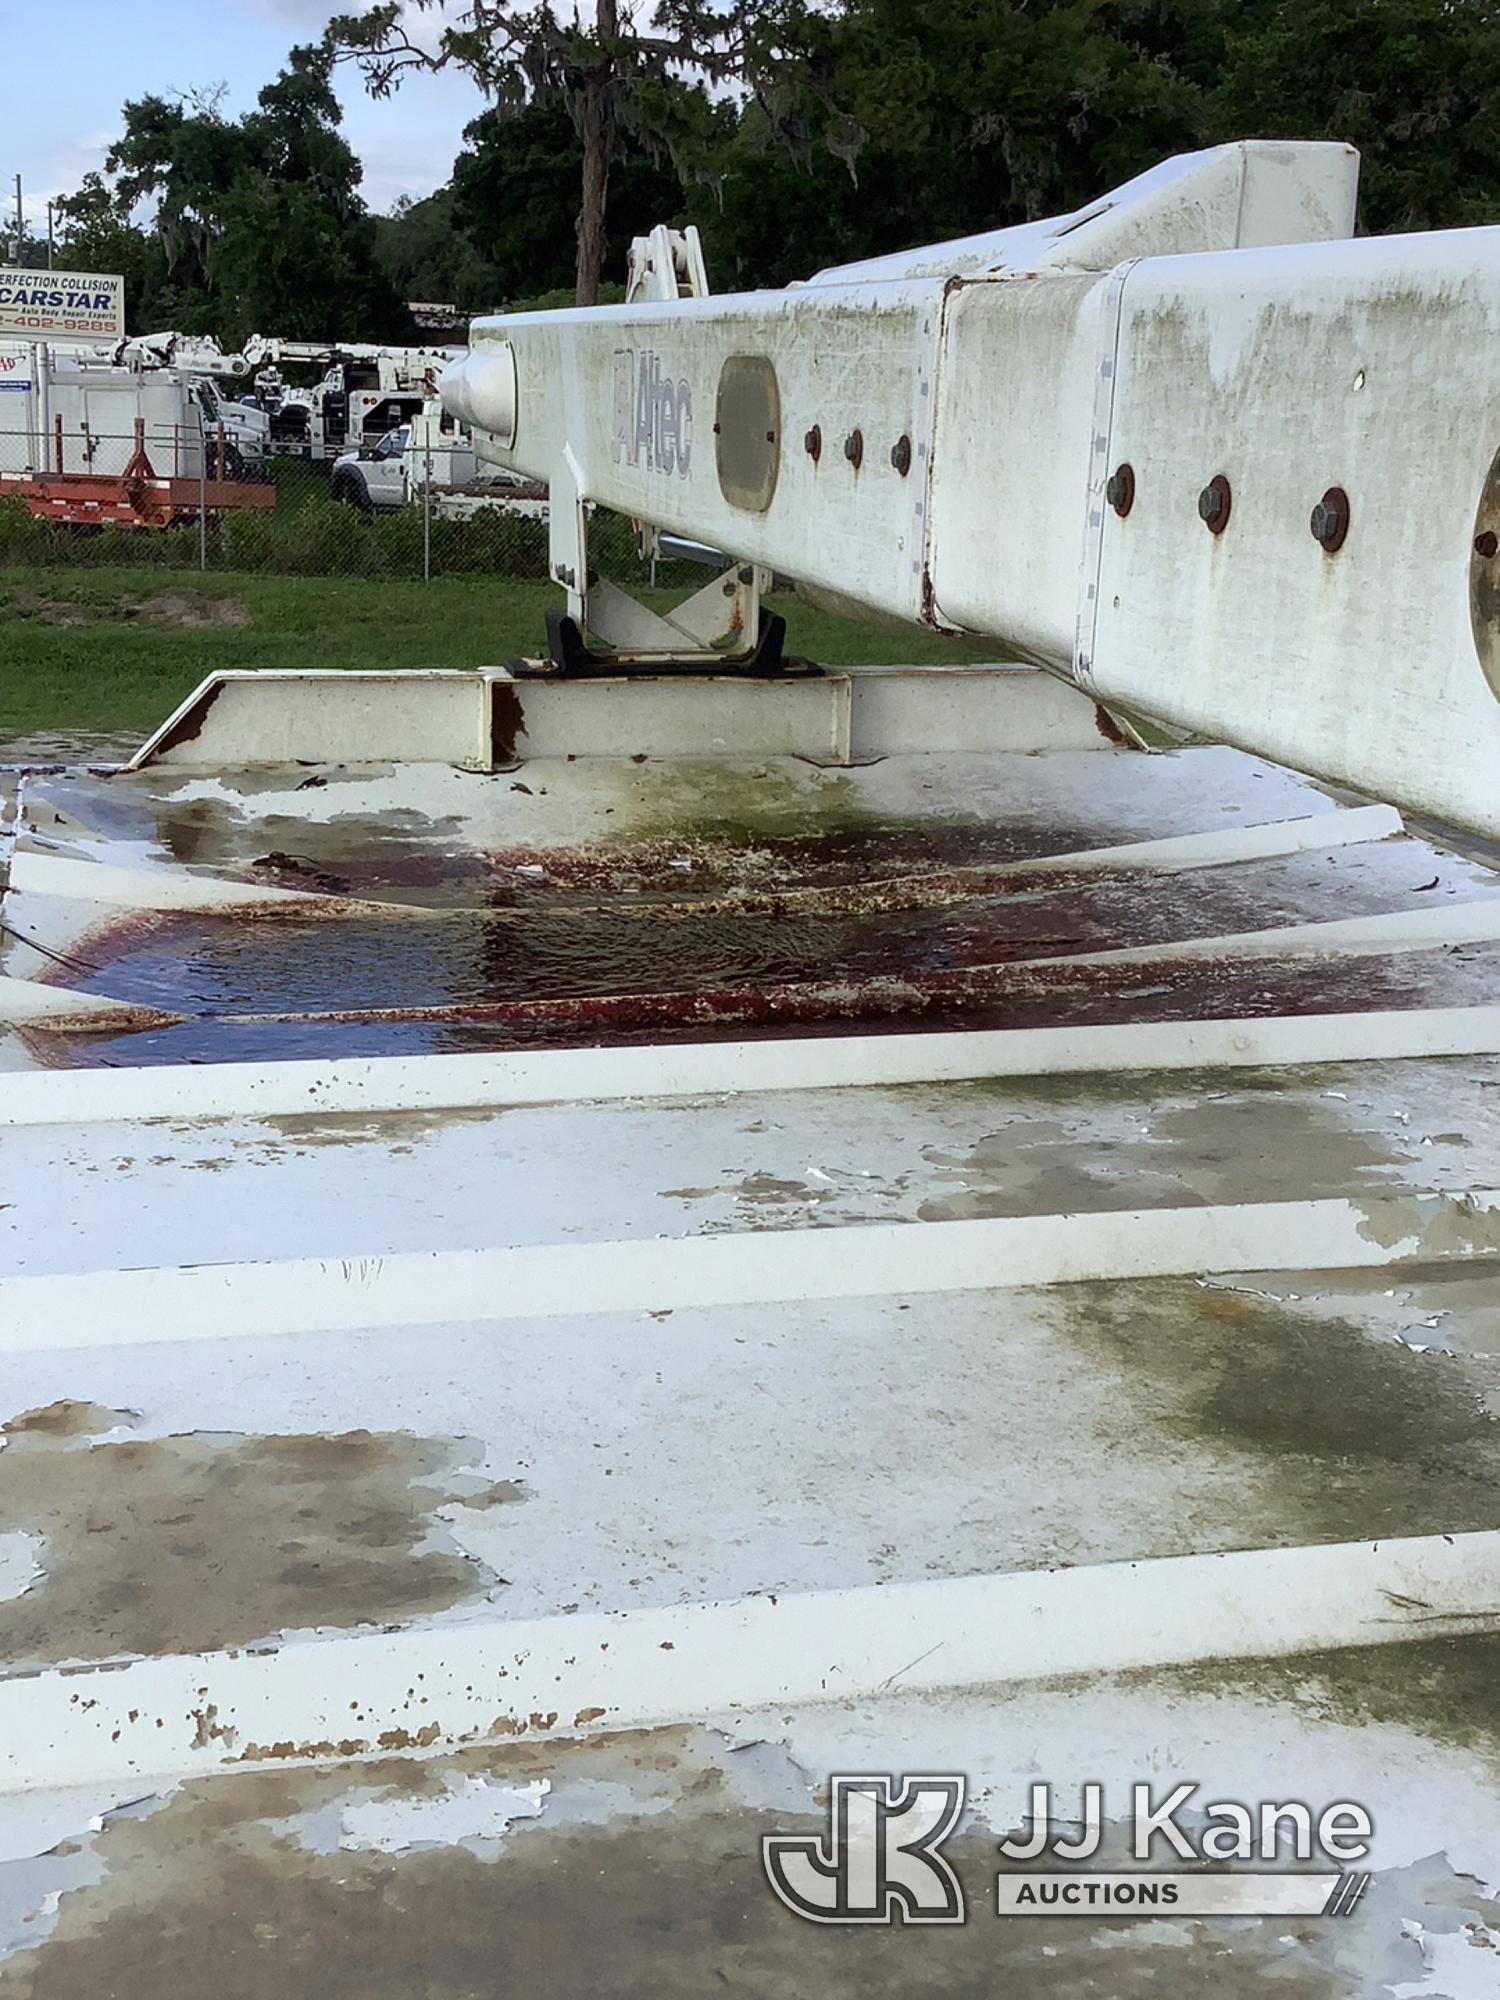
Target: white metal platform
493	1417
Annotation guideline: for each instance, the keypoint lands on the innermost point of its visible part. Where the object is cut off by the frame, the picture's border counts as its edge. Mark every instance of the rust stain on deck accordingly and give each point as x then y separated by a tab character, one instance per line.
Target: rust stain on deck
188	726
507	722
66	1418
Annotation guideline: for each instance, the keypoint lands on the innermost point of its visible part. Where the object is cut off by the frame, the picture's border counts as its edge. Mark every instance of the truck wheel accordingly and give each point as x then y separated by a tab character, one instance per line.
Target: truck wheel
351	491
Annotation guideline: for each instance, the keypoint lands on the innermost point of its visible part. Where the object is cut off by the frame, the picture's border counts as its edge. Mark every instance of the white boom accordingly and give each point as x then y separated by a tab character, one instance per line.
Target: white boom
262	349
1185	447
201	353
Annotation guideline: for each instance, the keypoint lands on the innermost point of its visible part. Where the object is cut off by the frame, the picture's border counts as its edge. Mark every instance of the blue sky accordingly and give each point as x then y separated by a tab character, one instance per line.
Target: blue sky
71	64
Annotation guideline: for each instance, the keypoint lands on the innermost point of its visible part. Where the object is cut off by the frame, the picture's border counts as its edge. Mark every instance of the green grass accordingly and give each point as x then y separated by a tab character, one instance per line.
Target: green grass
111	668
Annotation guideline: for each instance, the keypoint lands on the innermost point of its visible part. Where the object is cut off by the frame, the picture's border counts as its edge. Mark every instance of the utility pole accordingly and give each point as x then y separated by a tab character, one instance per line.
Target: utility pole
20	222
49	236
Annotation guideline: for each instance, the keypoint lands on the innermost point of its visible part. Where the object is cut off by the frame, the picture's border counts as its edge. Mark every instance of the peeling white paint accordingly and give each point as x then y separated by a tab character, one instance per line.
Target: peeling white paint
468	1809
1462	1964
20	1562
497	1679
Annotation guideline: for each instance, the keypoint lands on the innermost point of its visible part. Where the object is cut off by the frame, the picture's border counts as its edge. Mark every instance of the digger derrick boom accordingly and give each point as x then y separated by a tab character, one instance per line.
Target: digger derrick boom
1188	449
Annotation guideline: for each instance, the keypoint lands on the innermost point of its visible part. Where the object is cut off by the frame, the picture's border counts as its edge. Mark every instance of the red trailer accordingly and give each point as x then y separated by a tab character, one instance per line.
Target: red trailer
138	496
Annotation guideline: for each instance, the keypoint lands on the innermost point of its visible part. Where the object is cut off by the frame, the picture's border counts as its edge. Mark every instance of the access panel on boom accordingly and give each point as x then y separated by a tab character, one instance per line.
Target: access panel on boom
1193	447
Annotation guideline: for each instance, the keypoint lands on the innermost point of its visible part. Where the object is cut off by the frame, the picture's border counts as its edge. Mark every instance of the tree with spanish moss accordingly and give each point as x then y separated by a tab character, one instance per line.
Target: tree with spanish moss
252	224
643	90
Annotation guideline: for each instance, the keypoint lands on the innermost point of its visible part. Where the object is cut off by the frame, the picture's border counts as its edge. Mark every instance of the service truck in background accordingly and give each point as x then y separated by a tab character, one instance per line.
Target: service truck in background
366	392
79	399
431	457
81	431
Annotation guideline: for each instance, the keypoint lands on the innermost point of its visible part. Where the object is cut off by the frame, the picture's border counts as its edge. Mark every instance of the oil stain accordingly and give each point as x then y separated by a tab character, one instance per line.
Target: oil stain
1355	1438
1448	1689
642	1878
391	846
765	1201
191	1543
1251	1147
757	1190
302	1131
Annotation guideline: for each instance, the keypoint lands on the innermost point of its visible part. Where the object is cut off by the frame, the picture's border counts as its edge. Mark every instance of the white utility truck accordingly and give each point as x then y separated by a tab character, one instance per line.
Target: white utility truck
75	409
430	461
429	449
366	391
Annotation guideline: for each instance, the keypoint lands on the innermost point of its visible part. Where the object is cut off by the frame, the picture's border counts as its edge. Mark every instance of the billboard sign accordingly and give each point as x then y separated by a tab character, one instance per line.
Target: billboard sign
61	305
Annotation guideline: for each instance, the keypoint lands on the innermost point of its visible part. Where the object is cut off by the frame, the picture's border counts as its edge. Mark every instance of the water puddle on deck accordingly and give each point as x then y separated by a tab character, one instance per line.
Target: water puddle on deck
879	929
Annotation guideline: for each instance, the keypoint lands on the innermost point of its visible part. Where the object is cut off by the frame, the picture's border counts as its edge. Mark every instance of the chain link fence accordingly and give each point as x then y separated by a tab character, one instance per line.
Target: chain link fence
181	497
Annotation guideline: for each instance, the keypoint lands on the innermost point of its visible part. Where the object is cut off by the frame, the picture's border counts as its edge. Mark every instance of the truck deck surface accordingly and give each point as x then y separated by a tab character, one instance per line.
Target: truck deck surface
551	1309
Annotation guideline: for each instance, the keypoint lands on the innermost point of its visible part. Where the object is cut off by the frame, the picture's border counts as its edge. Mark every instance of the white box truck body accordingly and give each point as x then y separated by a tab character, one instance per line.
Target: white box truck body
71	412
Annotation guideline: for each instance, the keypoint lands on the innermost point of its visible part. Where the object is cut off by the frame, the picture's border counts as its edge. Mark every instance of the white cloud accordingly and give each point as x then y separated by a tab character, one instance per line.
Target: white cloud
406	143
301	13
59	172
423	24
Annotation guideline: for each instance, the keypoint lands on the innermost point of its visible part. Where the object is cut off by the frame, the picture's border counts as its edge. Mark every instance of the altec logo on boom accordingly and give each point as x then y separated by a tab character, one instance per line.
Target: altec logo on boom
653	415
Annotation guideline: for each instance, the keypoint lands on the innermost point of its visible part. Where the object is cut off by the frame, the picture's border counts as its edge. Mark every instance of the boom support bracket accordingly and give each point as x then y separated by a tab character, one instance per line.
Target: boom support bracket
721	628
